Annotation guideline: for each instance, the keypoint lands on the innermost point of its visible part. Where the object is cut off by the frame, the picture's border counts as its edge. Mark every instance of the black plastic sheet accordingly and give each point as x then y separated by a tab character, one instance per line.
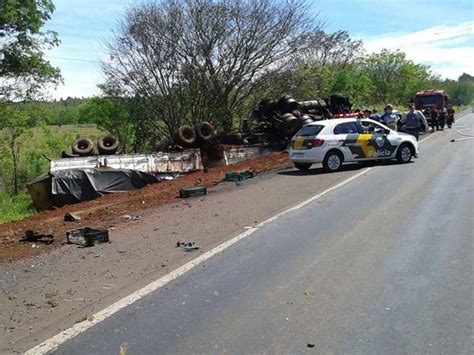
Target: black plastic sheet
76	185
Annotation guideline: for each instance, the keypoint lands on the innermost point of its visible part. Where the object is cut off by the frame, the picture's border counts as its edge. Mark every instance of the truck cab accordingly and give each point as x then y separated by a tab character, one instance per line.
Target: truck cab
430	100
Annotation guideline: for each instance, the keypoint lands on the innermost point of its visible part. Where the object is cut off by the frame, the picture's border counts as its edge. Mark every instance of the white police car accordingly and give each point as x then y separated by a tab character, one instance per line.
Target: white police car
335	141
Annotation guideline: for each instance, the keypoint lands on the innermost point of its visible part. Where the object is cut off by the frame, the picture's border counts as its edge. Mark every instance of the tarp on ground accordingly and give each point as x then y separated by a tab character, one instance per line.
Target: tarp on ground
76	185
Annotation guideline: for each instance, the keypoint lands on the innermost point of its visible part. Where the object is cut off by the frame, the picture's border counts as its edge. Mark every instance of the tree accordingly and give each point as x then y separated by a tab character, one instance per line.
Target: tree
13	127
24	71
199	60
394	77
111	114
310	70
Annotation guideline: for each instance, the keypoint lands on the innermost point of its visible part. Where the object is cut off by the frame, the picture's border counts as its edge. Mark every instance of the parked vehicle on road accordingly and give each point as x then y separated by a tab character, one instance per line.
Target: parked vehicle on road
333	142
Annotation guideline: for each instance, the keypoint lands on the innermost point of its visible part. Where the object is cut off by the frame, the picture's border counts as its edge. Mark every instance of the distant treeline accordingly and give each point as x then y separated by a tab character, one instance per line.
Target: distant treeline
81	110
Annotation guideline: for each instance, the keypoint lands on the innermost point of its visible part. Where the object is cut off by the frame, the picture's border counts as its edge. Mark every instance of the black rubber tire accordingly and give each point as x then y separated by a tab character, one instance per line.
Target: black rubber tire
83	147
185	136
107	145
302	166
402	152
289	125
328	162
204	132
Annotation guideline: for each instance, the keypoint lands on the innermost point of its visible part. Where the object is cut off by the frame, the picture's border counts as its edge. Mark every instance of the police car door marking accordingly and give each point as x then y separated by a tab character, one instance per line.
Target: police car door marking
369	145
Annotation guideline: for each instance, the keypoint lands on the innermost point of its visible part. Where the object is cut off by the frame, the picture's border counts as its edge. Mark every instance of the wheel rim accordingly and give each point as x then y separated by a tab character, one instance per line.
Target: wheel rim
406	154
334	162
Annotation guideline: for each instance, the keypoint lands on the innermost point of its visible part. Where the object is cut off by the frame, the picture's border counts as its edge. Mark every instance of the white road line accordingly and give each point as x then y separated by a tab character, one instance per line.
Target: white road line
53	343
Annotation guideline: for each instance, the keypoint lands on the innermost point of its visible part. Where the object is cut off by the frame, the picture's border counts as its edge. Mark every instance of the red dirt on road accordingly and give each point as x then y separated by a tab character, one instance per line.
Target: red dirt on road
108	210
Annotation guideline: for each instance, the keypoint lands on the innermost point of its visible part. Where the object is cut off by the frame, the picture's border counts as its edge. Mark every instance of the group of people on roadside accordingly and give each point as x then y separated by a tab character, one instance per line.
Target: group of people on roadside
413	122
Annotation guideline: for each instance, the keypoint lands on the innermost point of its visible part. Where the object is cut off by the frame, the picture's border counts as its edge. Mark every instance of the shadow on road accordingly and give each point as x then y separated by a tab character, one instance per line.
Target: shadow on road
346	167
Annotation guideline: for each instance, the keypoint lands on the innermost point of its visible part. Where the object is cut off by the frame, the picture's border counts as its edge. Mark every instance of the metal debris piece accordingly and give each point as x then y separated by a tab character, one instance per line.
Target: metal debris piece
187	246
131	218
31	237
87	237
71	217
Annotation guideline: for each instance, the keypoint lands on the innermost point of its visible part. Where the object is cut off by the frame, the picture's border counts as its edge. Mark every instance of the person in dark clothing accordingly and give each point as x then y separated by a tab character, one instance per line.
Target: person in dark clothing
434	119
442	115
374	115
451	113
414	122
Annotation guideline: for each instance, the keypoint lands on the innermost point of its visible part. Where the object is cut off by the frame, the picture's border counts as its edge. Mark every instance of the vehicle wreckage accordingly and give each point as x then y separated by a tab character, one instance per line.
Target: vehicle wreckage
83	176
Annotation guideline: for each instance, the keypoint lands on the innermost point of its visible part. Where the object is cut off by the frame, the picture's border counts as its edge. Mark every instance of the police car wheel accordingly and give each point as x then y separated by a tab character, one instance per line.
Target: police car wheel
332	162
404	154
302	166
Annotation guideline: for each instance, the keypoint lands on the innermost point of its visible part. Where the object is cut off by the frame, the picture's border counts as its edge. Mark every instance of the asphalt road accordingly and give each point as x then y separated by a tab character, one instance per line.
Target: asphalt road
382	265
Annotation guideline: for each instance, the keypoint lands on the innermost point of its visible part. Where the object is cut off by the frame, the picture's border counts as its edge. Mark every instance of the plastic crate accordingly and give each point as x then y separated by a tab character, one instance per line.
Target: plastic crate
186	192
239	176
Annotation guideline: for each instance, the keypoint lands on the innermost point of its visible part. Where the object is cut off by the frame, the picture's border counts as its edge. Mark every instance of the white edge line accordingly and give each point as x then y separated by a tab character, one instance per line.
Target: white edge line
54	342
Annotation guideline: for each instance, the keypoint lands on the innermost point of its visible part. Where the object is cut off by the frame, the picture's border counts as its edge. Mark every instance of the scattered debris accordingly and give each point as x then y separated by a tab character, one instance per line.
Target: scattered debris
123	349
131	218
188	246
32	237
71	217
240	176
87	237
186	192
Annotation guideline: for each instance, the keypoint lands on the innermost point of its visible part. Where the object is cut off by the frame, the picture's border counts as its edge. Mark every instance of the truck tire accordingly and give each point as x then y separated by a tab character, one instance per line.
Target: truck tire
107	145
303	166
185	136
204	132
289	125
333	161
404	153
287	104
83	147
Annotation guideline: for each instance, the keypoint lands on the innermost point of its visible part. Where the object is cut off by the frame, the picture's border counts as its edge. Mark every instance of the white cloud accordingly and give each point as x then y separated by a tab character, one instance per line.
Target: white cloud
449	50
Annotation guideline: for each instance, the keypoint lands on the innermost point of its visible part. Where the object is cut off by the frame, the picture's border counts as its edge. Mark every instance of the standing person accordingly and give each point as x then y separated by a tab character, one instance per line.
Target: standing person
374	115
451	113
367	113
434	119
442	118
389	118
414	122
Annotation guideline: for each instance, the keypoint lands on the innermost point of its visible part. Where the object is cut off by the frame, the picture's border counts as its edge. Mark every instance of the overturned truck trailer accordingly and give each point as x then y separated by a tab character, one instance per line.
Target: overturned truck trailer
72	180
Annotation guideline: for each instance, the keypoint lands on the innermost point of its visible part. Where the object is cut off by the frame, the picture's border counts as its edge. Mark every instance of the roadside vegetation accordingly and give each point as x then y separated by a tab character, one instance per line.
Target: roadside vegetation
176	62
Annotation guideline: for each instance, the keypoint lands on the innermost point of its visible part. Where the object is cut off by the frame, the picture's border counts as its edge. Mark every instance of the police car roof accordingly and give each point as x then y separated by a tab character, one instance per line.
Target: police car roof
334	121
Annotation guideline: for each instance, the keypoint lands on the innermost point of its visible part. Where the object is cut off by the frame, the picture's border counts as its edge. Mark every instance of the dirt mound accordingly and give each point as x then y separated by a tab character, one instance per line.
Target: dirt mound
108	210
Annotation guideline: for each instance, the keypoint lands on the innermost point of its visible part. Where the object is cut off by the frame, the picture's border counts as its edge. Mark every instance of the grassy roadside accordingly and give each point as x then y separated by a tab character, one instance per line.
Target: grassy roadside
14	208
48	141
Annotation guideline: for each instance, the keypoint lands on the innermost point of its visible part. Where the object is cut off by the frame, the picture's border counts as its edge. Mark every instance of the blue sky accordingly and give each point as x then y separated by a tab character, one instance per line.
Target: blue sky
434	32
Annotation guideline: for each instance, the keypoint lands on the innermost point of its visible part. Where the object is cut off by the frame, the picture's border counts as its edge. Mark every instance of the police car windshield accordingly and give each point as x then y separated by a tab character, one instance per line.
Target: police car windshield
312	130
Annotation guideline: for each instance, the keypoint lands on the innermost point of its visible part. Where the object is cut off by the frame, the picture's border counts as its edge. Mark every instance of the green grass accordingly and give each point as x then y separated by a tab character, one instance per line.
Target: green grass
49	142
14	208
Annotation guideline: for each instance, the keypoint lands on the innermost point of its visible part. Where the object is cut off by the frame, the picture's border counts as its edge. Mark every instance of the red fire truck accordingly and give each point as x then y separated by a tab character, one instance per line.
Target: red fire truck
429	100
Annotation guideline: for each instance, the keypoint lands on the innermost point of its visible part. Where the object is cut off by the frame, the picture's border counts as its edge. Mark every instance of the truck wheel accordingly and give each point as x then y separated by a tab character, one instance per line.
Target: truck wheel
204	131
83	147
185	136
333	161
107	145
404	154
302	166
